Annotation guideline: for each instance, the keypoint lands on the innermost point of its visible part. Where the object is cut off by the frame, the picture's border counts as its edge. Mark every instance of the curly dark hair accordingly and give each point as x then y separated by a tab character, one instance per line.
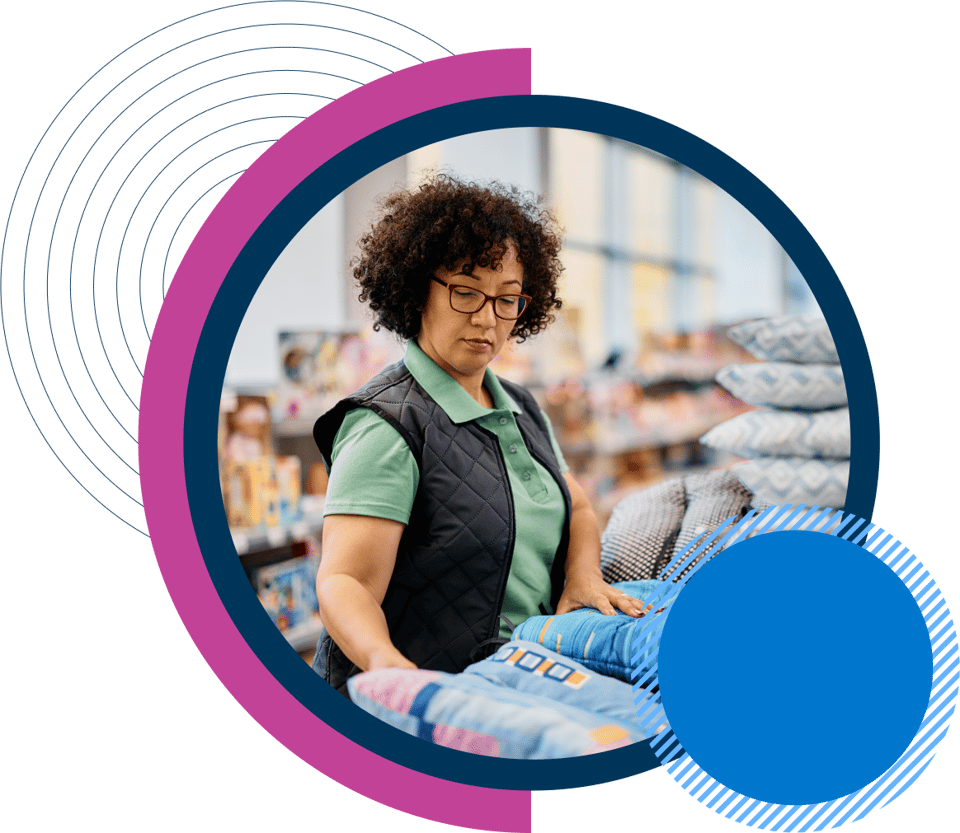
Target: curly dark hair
444	223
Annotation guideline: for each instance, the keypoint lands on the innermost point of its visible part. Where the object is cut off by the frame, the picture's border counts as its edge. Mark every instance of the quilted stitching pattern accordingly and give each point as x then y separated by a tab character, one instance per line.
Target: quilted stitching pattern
444	595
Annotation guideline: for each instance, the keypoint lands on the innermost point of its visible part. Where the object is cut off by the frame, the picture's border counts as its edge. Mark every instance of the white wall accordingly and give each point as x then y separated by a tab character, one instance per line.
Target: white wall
749	279
511	156
304	290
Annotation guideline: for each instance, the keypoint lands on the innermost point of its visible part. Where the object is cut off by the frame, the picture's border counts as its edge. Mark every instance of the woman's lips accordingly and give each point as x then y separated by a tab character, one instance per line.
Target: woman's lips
479	344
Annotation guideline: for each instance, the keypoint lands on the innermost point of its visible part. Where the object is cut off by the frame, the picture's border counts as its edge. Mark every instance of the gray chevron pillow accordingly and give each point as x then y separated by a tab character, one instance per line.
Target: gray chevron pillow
808	387
789	338
784	434
795	480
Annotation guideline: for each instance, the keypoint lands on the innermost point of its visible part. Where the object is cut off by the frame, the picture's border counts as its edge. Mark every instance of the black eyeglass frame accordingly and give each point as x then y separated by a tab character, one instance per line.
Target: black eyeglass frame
452	286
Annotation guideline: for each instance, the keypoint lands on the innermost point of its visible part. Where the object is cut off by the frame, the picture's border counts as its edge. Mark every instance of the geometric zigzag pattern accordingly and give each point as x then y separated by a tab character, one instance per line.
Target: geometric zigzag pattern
808	387
791	338
782	480
898	777
765	433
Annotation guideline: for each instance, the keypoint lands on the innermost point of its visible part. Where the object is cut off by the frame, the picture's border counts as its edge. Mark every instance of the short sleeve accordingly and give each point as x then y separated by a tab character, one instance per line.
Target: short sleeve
564	468
373	470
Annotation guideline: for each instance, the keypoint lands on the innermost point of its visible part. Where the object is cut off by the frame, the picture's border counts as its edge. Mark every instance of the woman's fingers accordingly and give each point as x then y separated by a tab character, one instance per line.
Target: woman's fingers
605	607
630	606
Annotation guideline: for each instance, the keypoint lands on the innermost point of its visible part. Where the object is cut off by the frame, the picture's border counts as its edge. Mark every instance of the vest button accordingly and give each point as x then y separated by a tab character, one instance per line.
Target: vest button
503	420
526	475
513	449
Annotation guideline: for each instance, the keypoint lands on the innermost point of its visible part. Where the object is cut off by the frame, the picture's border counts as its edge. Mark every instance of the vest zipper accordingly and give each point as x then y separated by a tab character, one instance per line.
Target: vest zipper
505	574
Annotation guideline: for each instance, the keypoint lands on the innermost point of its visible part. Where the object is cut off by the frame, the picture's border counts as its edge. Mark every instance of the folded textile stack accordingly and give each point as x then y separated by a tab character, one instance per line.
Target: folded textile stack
798	441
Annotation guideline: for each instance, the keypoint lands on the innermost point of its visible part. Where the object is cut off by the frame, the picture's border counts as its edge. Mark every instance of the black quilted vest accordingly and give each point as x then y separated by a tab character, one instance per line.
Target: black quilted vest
447	589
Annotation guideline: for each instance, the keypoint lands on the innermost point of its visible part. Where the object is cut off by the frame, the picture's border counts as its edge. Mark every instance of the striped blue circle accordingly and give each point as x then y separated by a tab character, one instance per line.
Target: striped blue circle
891	660
788	646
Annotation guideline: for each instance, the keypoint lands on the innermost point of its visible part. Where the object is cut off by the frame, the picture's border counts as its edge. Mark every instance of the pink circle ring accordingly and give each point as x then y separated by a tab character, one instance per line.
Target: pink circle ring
211	254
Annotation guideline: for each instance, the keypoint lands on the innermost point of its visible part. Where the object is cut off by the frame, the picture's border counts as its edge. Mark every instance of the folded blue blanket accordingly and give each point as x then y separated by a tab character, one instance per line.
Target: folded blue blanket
605	644
523	702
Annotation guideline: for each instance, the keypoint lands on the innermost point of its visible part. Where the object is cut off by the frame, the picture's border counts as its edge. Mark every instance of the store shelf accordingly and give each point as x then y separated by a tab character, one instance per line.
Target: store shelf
302	427
658	437
304	636
262	537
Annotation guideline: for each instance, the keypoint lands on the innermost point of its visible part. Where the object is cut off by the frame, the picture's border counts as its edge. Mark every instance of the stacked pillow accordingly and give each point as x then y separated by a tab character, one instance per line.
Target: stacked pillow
650	528
798	441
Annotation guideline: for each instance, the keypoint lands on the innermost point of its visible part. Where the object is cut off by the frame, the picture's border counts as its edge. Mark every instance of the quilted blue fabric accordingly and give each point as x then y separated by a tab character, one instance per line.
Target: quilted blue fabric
523	702
604	644
806	387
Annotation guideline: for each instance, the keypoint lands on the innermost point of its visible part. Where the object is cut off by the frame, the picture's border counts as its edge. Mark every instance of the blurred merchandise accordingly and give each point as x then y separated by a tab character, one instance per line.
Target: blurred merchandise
288	488
320	368
247	430
264	490
288	592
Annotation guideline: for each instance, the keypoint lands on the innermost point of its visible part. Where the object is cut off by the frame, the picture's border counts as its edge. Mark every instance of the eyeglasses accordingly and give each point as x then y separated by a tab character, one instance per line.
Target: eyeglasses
468	300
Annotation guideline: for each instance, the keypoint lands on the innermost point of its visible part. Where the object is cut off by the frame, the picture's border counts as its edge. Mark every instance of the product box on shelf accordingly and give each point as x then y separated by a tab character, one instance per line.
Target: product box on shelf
320	368
264	490
288	591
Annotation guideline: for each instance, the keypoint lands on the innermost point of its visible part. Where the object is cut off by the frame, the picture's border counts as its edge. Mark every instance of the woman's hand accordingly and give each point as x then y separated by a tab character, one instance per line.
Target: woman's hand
590	590
584	585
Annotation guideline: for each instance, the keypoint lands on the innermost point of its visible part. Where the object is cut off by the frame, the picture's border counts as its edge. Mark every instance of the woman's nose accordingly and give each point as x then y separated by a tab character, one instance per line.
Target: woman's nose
485	316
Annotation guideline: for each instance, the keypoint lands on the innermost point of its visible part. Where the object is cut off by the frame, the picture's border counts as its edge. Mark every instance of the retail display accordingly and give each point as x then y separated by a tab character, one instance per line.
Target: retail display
264	490
288	592
272	522
247	428
320	368
801	454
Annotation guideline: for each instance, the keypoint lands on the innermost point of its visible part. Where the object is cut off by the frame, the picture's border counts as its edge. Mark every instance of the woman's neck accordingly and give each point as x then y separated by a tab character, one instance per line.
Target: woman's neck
471	383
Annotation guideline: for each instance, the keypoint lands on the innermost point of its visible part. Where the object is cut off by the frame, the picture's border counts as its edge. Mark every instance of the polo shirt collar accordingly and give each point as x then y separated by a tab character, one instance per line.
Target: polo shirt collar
446	391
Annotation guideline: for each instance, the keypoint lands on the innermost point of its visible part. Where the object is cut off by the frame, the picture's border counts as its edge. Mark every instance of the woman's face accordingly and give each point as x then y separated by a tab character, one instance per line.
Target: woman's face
464	344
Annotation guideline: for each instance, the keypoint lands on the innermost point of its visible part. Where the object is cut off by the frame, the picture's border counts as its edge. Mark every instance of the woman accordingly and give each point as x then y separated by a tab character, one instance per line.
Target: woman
450	513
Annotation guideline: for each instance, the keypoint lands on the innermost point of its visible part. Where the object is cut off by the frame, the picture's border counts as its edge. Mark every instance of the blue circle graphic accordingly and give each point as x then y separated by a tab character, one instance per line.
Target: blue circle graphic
789	687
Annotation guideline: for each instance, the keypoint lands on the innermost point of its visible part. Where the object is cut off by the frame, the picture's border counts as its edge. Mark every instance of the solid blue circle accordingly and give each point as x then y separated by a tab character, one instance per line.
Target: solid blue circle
259	254
795	667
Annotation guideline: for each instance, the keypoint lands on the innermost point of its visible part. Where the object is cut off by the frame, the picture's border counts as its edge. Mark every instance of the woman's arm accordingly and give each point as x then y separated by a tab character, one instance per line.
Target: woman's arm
584	585
359	554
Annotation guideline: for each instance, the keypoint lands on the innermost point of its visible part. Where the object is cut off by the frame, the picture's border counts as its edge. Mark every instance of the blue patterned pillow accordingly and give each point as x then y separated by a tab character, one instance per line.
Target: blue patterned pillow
790	338
784	434
604	644
793	480
807	387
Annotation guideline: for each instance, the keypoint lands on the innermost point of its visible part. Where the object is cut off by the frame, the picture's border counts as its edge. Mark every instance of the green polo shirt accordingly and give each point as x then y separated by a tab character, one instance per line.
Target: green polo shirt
374	473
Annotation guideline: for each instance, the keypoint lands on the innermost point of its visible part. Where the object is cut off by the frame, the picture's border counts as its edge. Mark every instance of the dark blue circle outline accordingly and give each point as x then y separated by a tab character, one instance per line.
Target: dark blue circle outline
265	245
